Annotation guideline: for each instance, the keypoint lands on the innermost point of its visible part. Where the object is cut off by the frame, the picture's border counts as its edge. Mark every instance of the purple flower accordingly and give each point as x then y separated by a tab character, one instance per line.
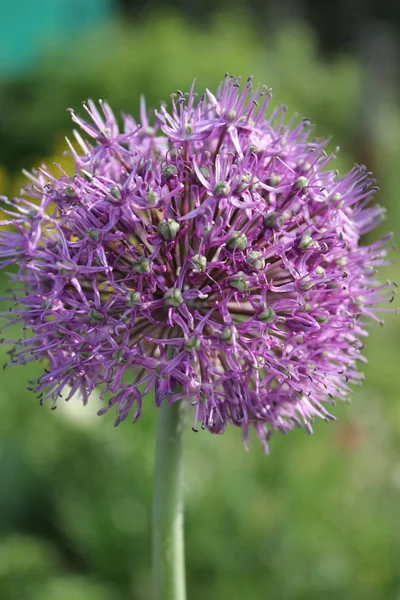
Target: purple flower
214	254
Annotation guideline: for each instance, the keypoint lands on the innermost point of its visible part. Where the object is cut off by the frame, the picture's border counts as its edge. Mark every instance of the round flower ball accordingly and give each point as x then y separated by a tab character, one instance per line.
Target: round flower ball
209	254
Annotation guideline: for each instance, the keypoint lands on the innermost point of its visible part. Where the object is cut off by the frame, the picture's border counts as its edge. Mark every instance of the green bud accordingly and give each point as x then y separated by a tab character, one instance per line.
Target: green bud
116	192
205	171
239	282
69	191
321	319
192	343
307	242
274	179
246	178
134	298
274	383
152	197
305	166
118	355
247	121
237	241
93	234
320	270
341	262
188	128
306	283
95	315
301	182
168	171
336	197
173	297
267	315
207	229
273	221
199	263
229	334
168	229
253	258
222	188
260	362
231	115
142	265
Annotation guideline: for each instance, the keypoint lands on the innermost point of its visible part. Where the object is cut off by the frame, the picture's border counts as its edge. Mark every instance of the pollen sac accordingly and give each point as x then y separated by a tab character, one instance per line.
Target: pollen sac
168	229
237	241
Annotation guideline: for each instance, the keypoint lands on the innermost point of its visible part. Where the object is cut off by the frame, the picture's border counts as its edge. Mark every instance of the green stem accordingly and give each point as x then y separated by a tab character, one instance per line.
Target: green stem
168	547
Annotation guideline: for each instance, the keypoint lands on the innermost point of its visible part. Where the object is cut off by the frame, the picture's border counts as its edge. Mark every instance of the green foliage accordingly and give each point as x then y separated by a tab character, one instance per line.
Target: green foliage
119	63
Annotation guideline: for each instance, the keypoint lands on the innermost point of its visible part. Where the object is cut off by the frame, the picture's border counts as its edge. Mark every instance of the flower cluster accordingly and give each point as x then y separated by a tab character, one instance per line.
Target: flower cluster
210	255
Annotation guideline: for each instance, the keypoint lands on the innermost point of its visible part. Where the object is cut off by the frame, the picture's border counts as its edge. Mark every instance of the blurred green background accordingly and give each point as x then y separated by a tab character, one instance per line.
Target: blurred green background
320	517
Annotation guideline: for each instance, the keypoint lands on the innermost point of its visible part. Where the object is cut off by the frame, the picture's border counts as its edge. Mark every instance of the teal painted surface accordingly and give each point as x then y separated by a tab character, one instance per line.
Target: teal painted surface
27	27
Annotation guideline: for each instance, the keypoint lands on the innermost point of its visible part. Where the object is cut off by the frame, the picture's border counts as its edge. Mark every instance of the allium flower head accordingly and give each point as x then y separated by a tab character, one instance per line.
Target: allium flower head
210	252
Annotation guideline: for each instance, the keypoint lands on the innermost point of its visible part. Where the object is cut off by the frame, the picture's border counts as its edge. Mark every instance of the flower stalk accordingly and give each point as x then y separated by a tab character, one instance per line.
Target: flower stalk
168	544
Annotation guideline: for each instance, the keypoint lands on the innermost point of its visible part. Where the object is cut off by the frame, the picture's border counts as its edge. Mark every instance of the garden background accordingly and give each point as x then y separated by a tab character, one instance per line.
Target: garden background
320	517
